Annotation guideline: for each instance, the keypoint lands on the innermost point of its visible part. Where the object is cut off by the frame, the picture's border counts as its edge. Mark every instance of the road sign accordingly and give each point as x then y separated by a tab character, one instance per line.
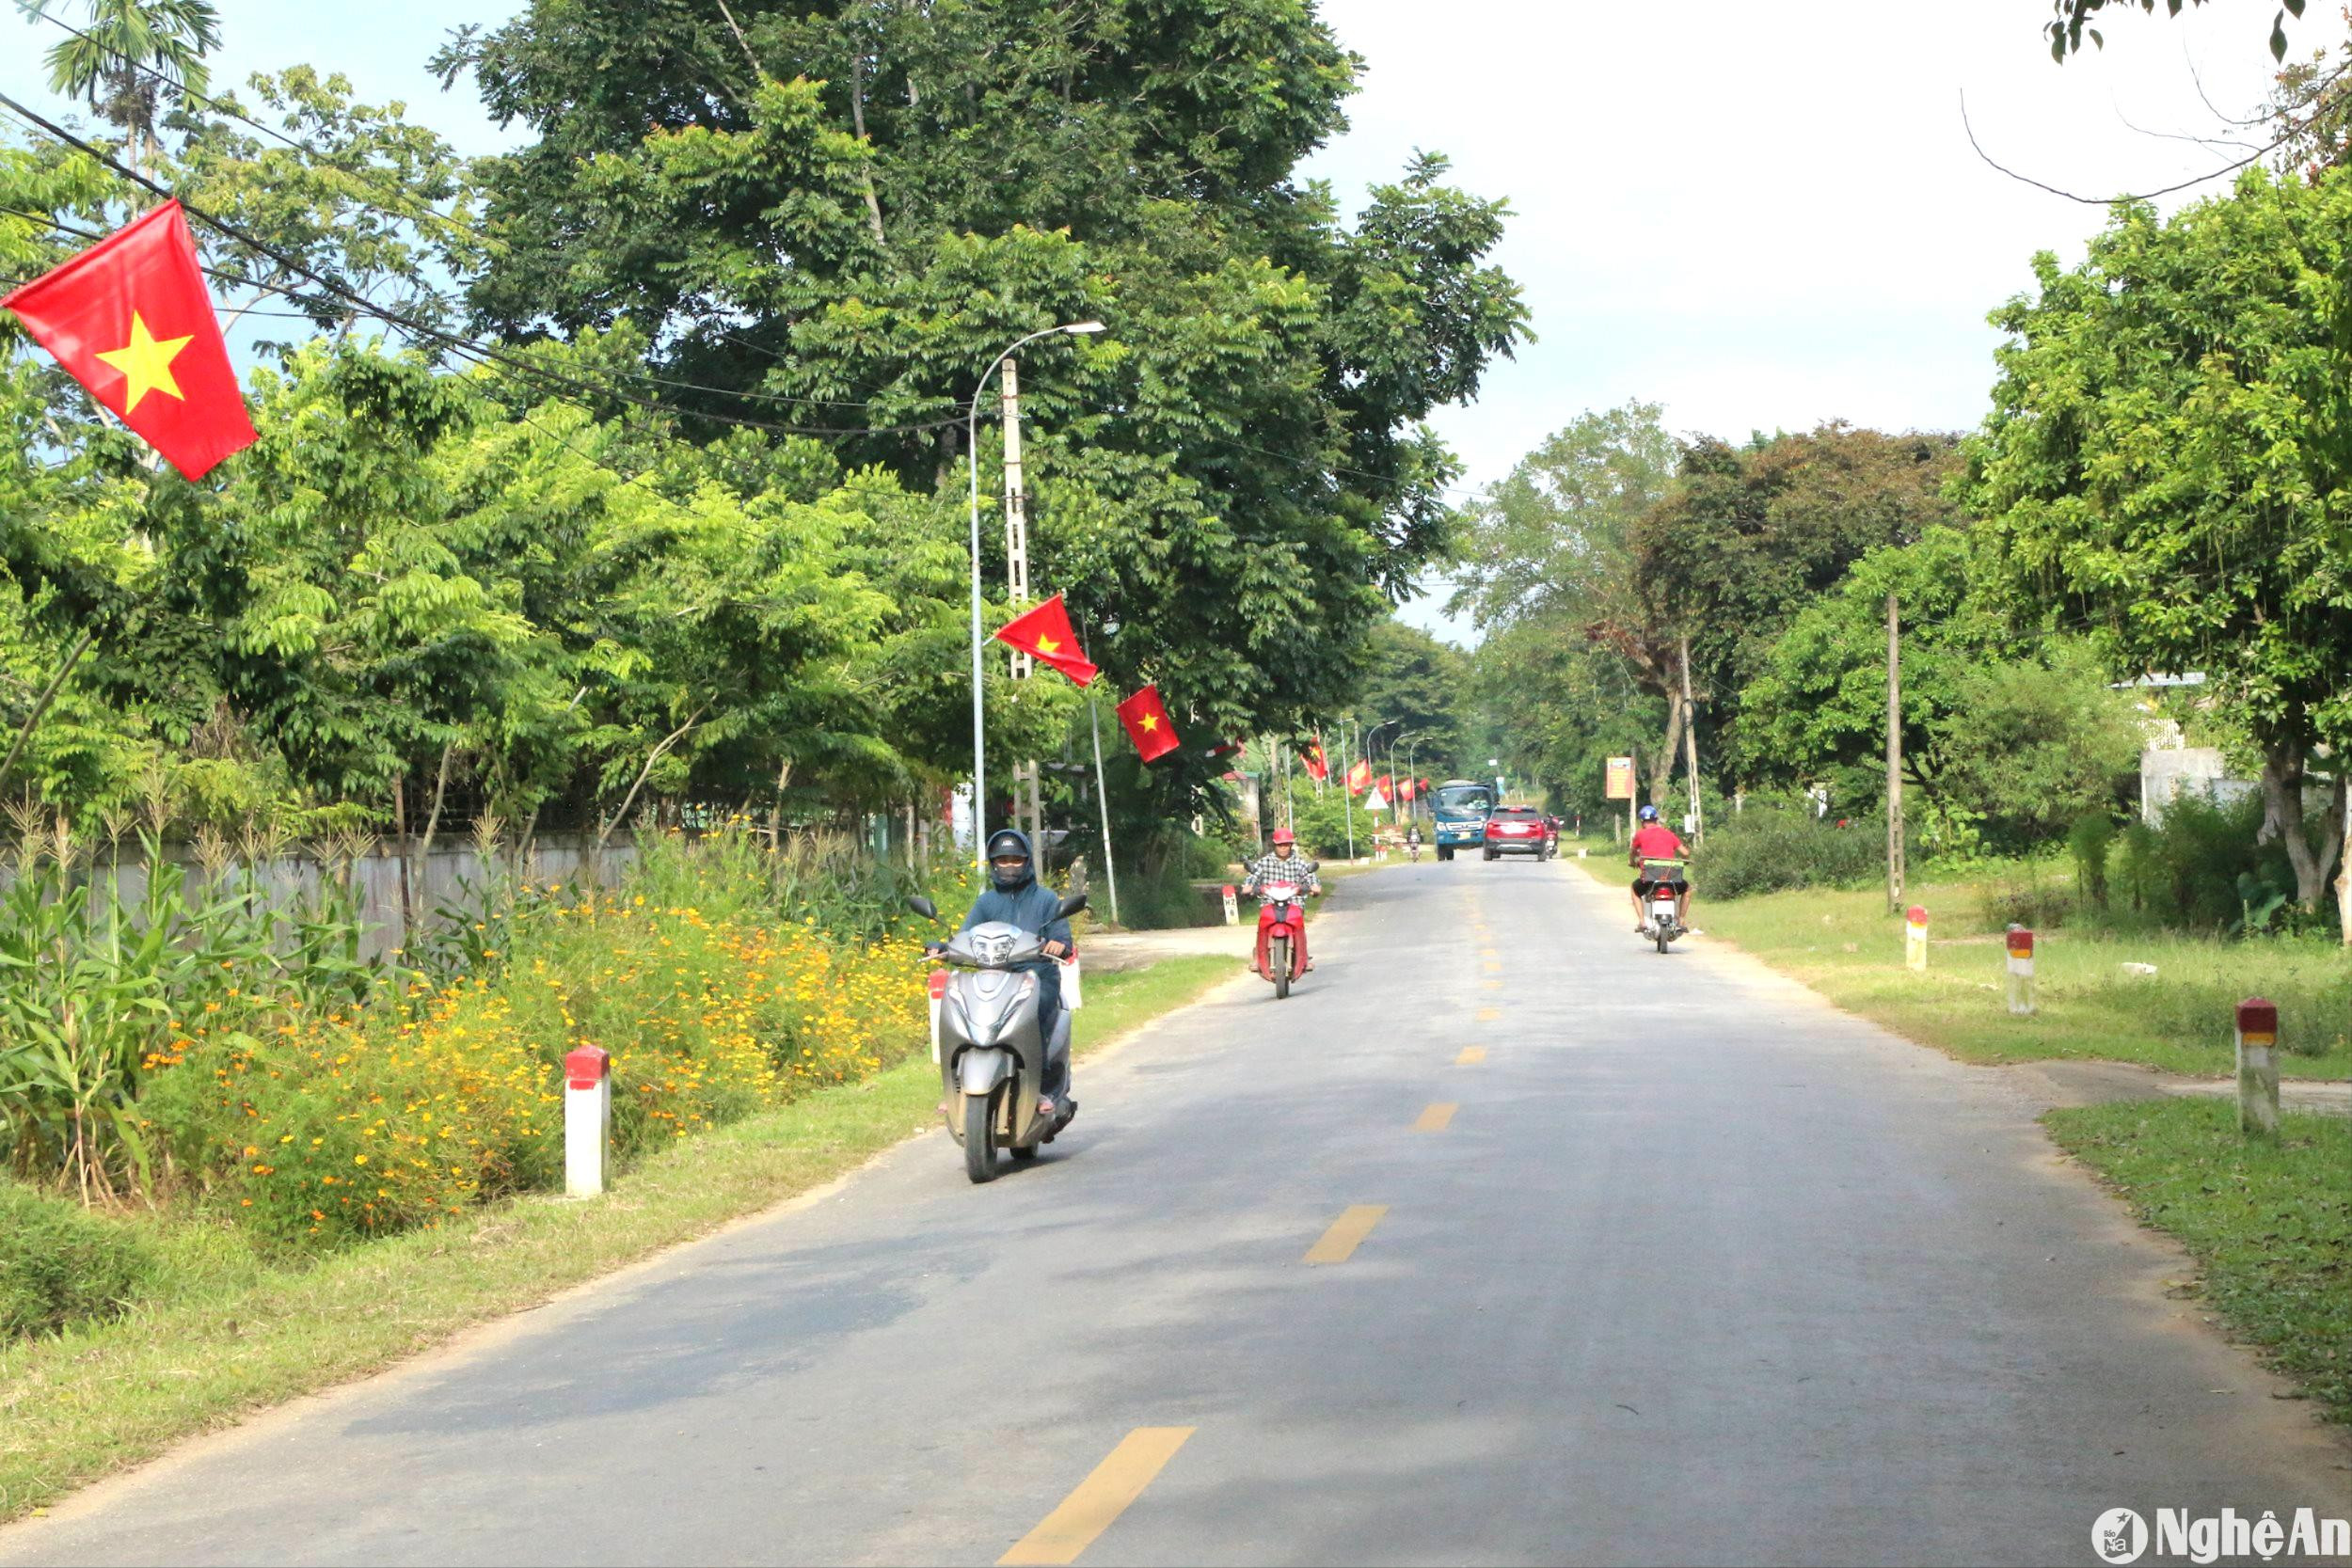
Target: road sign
1620	779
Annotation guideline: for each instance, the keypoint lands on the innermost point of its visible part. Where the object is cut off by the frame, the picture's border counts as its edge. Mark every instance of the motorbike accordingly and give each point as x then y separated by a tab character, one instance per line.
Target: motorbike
1005	1071
1281	934
1413	849
1663	921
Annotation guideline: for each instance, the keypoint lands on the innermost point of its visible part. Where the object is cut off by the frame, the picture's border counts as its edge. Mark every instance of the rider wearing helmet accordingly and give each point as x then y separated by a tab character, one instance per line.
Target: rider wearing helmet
1016	897
1654	841
1285	865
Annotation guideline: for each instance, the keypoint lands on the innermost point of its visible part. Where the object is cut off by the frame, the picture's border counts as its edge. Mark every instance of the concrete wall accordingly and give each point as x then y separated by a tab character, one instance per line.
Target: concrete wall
2166	774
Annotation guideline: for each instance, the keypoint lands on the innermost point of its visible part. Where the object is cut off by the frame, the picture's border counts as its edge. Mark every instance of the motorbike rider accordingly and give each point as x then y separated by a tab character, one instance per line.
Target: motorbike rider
1285	865
1015	897
1654	841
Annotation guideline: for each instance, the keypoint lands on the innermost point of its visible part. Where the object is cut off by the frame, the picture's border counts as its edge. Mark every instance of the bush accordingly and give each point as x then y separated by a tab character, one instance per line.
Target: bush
61	1265
2091	840
1768	851
2200	868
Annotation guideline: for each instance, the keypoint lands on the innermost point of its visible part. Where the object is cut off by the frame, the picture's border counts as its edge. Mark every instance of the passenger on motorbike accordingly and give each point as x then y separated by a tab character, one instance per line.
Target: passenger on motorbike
1285	865
1016	897
1654	841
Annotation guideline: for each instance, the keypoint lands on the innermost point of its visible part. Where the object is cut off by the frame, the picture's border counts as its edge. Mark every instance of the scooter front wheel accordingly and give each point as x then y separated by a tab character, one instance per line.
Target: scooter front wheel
980	1136
1278	959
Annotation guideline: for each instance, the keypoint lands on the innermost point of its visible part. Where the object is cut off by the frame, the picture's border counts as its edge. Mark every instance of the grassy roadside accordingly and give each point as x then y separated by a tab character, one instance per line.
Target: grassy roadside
238	1334
2269	1224
1845	945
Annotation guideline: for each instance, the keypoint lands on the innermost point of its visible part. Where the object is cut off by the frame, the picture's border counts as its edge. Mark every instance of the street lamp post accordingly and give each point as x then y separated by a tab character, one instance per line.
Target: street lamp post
1411	742
972	456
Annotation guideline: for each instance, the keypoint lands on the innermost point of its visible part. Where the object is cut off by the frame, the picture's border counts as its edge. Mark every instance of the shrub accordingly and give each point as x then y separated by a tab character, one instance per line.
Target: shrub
1768	851
2090	840
60	1263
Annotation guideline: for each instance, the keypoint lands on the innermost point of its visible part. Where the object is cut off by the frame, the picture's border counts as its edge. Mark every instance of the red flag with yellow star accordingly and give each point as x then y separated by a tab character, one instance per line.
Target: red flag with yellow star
1317	768
1148	723
130	320
1046	635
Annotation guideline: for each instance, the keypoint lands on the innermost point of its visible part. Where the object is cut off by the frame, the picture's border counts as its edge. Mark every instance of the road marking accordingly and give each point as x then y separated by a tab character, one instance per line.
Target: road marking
1434	1120
1487	1015
1491	985
1494	966
1347	1234
1472	1055
1100	1498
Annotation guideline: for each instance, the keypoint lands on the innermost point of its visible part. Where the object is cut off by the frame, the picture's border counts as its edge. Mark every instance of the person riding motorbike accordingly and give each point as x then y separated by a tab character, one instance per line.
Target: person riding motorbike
1285	865
1654	841
1015	897
1412	840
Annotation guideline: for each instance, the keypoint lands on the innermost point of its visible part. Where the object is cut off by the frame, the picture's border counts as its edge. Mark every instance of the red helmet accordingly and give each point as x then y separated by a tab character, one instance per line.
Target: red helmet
1283	835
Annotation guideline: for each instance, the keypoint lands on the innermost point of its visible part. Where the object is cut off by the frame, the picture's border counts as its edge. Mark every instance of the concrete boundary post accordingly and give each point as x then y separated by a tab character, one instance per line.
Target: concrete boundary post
1232	906
939	995
2020	972
2258	1066
1916	937
587	1120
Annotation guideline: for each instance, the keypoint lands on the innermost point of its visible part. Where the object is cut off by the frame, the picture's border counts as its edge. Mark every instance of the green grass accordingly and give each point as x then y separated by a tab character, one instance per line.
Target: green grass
2268	1221
1845	945
224	1331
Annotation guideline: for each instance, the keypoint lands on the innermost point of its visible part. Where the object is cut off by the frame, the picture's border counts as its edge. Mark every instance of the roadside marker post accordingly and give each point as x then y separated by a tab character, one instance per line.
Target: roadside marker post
2020	972
1233	907
1916	937
587	1120
2258	1066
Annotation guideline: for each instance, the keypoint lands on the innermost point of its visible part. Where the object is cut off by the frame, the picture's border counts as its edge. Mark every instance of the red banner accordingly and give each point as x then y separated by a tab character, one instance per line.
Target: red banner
1148	723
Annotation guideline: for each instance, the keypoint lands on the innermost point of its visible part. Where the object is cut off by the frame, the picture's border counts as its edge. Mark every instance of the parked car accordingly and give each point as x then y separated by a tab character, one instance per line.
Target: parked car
1518	831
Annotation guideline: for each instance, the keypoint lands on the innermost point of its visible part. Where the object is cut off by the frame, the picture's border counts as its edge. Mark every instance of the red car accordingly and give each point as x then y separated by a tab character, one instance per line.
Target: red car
1518	831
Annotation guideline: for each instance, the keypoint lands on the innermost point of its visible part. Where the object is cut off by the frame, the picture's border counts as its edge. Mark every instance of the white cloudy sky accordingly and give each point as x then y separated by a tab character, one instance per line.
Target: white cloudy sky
1761	213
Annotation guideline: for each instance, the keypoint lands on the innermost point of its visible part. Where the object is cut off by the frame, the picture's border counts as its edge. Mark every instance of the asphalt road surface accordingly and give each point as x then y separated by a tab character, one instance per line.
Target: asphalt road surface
1503	1239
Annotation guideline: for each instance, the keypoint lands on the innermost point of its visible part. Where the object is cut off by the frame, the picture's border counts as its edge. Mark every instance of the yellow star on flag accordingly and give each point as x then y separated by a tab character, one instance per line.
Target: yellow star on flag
145	362
1151	722
1048	646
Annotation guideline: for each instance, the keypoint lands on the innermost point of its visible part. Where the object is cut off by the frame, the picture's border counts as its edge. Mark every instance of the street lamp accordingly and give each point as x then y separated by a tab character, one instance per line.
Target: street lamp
972	455
1411	742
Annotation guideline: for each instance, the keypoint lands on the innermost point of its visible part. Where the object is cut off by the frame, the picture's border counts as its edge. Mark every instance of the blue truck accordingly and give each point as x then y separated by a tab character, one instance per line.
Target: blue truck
1461	807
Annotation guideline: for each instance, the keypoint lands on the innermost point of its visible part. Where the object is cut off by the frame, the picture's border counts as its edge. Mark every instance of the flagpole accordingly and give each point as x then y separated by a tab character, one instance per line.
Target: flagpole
1103	804
979	715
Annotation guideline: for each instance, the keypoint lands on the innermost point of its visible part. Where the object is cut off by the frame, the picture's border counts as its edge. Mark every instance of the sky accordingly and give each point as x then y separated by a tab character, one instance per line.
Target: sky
1762	215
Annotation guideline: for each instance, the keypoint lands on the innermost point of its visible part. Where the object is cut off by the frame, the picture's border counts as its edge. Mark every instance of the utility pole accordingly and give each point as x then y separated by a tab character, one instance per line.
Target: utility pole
1691	739
1102	806
1347	792
1893	755
1017	589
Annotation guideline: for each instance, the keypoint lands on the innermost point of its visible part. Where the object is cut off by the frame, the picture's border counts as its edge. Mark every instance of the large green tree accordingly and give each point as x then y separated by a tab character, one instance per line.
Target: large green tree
2170	454
834	214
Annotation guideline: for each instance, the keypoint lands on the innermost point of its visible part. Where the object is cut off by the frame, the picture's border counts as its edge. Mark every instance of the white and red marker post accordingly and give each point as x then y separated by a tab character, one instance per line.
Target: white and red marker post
939	995
1232	906
2020	972
1916	937
587	1120
2258	1066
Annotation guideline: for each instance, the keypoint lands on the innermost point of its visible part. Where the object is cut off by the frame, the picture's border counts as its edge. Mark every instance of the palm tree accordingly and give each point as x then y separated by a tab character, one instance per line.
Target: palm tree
131	58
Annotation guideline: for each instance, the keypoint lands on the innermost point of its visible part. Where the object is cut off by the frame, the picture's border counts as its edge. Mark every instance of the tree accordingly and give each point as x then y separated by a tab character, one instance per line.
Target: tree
2167	456
1748	536
1422	685
1550	558
131	60
836	216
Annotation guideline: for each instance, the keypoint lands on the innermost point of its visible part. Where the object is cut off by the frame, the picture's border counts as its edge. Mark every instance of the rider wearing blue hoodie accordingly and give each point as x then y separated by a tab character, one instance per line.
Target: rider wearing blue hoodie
1016	897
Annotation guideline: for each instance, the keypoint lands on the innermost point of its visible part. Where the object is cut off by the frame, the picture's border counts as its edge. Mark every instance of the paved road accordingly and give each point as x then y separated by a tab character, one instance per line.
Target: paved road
1696	1269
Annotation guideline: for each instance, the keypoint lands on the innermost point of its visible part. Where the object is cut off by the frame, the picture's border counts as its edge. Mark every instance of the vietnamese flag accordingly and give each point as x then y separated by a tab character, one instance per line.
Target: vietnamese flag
1359	776
1044	634
132	321
1318	769
1148	723
1405	790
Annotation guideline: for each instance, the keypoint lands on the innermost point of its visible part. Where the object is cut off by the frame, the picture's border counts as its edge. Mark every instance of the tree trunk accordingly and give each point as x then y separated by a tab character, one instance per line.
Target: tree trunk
1662	767
2282	802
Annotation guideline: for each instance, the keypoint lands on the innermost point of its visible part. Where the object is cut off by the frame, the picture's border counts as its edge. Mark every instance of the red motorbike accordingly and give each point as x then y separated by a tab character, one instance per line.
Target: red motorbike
1281	935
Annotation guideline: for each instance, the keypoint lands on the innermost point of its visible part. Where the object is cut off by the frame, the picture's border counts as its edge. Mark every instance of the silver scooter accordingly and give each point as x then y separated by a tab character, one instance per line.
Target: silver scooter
1006	1073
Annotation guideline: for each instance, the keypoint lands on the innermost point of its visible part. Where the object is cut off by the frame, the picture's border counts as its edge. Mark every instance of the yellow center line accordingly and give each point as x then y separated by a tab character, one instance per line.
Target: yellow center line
1487	1015
1435	1118
1494	966
1491	985
1100	1498
1472	1055
1347	1232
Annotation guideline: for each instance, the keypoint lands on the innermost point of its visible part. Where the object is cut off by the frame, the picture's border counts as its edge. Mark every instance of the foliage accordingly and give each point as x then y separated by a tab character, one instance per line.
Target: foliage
60	1264
2092	841
2073	19
1421	686
1765	850
2168	446
854	208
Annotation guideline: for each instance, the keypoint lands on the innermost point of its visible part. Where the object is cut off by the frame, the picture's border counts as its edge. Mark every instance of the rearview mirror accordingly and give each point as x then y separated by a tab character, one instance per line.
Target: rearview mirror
923	906
1071	905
